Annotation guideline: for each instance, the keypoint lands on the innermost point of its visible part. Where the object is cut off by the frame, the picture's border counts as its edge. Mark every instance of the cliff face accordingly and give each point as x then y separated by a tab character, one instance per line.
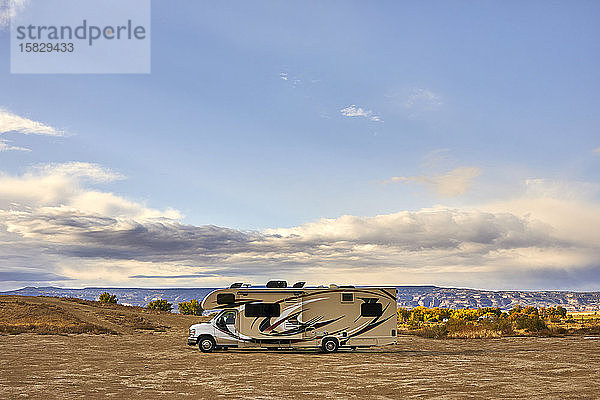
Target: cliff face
431	296
408	297
127	296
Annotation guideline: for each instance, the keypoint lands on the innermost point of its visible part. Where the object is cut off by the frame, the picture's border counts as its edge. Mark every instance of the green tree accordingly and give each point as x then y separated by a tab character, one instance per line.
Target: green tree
161	305
403	314
527	318
561	311
191	307
108	298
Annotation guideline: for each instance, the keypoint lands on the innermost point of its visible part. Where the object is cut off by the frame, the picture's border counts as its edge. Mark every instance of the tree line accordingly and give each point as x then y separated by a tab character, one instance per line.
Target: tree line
191	307
530	319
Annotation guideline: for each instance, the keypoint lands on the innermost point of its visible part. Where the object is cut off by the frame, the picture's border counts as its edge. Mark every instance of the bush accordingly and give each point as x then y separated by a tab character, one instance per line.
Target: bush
161	305
531	323
191	307
434	332
108	298
527	318
503	326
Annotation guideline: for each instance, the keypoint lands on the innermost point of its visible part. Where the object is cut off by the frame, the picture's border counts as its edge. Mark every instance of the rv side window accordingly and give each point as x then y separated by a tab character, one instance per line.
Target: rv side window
262	310
370	310
225	298
348	297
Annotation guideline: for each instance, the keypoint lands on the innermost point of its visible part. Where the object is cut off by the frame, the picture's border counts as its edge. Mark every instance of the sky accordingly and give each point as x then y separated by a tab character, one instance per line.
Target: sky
402	143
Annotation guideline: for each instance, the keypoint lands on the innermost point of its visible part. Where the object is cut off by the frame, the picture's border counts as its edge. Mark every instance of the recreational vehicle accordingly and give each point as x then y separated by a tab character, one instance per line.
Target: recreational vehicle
278	316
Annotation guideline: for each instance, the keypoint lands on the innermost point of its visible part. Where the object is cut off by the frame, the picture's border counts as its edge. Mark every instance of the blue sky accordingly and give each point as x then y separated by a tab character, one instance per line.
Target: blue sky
266	117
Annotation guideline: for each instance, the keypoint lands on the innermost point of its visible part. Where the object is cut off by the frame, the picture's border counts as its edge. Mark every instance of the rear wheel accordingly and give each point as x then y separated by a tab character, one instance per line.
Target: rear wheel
329	345
206	344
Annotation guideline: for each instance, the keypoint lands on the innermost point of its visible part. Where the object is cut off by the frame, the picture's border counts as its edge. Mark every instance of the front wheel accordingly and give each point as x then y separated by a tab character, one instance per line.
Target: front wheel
207	344
329	345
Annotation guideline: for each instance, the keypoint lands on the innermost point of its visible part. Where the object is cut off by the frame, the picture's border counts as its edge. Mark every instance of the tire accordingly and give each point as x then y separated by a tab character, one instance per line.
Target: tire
207	344
330	345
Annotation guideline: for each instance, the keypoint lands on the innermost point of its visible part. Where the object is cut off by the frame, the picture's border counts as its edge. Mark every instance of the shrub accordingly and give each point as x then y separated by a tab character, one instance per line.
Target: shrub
531	323
161	305
503	326
434	332
108	298
527	319
403	314
561	311
191	307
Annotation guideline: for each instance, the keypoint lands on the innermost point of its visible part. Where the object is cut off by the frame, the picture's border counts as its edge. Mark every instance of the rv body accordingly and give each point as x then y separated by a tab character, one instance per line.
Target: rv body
325	318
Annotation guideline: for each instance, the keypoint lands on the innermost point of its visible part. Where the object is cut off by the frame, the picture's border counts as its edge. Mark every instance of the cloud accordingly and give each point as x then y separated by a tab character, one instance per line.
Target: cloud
19	276
450	184
77	170
416	102
294	81
10	122
55	226
354	111
597	150
422	99
63	187
4	146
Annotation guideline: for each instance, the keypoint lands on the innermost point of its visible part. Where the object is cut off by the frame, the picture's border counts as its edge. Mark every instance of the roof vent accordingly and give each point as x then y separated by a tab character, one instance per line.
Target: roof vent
236	285
299	284
277	284
333	286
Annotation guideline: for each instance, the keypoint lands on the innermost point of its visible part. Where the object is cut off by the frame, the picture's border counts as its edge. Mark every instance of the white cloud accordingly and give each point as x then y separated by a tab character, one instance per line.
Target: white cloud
79	170
10	122
597	150
294	81
4	146
449	184
55	228
354	111
423	99
416	102
62	187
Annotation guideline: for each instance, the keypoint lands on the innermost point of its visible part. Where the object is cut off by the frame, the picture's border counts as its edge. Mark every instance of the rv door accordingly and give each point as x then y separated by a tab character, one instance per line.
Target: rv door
293	308
227	327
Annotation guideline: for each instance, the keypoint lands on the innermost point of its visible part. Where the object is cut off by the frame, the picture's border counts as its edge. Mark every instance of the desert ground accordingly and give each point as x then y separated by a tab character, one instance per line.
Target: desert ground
147	357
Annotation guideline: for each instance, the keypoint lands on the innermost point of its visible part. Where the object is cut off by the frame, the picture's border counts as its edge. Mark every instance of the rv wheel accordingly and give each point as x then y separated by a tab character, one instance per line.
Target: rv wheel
207	344
329	345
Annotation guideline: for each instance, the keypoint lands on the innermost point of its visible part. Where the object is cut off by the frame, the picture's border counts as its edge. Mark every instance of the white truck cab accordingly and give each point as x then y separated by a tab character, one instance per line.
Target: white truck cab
219	332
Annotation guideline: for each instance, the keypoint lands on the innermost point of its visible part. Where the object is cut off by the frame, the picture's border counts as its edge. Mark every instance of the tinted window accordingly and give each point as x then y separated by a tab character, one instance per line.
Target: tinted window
229	318
225	298
262	310
370	310
347	297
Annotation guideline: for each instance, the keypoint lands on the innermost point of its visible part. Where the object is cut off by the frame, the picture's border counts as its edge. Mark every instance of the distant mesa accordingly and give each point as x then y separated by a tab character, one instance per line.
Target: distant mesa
408	296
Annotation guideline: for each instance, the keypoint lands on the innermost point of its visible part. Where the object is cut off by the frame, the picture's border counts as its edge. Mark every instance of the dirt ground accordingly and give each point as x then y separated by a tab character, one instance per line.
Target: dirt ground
158	364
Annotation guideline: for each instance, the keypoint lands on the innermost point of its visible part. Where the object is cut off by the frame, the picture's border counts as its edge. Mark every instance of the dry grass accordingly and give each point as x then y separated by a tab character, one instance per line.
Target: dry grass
49	316
489	330
20	317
